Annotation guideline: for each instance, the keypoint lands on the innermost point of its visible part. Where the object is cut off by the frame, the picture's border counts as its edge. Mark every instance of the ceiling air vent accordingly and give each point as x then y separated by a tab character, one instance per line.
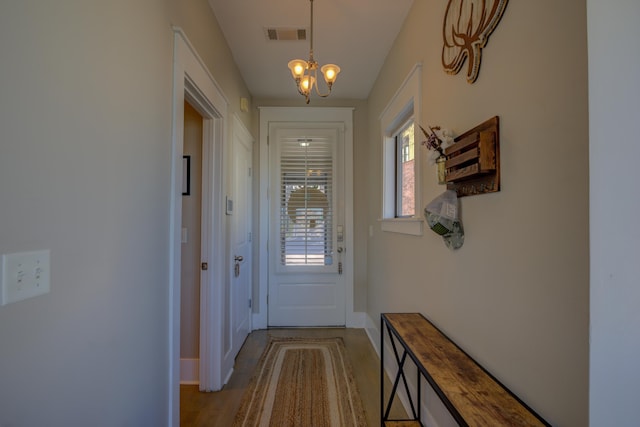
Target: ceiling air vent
284	33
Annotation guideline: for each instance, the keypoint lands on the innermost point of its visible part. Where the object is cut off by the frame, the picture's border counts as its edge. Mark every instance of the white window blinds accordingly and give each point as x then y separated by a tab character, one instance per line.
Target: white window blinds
306	201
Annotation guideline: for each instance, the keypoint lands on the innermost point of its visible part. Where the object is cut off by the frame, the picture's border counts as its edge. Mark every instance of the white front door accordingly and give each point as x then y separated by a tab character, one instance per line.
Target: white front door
307	225
239	207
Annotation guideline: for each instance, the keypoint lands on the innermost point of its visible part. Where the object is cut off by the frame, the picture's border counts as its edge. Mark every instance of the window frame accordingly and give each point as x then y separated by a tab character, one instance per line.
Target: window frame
405	105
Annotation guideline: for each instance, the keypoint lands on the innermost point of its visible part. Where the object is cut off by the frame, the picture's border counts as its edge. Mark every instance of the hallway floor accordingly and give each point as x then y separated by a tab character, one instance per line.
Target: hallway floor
218	409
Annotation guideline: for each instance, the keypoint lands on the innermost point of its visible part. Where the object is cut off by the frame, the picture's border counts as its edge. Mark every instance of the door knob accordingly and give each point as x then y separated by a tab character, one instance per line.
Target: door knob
238	259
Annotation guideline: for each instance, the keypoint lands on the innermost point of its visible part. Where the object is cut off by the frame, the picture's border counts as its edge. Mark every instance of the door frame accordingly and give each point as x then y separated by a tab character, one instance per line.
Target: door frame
193	82
270	115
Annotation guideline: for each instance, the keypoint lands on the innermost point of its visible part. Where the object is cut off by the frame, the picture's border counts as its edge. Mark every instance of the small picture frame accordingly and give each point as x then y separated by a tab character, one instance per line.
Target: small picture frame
186	175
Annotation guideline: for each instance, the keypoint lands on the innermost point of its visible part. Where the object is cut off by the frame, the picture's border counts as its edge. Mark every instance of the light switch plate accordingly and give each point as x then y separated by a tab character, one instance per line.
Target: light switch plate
229	209
24	275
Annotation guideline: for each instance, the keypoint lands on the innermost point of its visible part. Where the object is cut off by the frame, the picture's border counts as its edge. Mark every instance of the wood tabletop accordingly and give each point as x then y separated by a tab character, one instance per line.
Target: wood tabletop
479	399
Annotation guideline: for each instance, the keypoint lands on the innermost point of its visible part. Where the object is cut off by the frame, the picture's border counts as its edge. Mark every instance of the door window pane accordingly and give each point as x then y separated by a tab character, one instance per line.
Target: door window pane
306	211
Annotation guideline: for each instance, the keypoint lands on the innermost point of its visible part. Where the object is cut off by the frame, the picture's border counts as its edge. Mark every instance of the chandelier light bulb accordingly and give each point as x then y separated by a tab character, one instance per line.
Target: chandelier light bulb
330	72
306	84
297	67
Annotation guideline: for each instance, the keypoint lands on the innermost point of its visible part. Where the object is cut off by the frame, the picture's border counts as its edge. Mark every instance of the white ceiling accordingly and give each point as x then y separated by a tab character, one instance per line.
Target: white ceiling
354	34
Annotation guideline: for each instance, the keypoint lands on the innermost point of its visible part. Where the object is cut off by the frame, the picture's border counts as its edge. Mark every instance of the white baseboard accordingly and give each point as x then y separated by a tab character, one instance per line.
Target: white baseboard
371	328
189	371
354	320
228	377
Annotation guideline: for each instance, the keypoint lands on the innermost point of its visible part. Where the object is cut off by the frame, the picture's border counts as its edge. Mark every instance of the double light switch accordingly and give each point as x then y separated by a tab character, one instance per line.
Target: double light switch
24	275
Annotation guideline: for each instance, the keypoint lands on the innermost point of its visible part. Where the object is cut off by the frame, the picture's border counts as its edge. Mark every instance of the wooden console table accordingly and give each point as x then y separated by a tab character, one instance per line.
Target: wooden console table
470	393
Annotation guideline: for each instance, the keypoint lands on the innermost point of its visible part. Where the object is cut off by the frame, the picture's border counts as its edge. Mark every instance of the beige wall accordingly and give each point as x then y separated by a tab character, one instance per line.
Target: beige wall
85	171
516	295
190	256
614	381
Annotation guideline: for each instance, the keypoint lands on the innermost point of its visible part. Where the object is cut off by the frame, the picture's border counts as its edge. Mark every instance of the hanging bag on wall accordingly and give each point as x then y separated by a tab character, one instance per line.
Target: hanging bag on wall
443	217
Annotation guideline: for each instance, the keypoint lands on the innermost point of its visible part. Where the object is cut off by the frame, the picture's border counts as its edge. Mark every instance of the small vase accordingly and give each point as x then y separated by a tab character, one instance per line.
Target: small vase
442	172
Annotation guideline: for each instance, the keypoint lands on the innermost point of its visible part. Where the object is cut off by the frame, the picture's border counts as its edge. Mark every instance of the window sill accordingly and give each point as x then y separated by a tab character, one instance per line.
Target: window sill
412	226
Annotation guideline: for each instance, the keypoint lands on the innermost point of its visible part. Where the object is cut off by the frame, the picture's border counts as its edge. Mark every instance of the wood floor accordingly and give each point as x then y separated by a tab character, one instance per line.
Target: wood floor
218	409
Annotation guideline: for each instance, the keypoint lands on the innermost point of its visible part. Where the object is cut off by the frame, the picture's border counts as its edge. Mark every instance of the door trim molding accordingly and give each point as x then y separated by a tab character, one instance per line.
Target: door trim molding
193	82
302	114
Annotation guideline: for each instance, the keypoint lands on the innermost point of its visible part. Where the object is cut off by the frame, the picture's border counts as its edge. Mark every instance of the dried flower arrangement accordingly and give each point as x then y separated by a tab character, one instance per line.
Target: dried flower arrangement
437	140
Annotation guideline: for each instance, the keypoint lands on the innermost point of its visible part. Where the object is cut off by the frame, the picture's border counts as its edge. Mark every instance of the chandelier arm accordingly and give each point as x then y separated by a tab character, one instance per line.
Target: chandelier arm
323	95
318	86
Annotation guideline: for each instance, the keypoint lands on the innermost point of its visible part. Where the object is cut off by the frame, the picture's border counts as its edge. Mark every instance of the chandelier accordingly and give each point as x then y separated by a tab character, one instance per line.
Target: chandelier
305	73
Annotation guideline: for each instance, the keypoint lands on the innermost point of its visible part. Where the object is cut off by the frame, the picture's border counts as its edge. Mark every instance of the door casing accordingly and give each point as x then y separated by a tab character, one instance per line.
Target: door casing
193	82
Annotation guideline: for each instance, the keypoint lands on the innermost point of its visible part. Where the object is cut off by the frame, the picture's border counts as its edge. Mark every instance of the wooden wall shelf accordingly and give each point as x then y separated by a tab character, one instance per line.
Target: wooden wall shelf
473	161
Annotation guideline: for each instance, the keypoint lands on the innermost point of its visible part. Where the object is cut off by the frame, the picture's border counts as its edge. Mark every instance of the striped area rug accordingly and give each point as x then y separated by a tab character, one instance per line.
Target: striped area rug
302	382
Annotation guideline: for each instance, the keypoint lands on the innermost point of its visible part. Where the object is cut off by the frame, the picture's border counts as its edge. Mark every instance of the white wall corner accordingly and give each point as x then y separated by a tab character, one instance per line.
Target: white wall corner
356	320
259	320
189	371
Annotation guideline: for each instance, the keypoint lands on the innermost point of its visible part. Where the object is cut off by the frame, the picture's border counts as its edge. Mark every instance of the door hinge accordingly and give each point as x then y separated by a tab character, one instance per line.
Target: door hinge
249	302
204	266
249	171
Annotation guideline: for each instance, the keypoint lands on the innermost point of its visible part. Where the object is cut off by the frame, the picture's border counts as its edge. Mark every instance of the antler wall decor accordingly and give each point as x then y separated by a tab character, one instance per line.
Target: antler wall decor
466	30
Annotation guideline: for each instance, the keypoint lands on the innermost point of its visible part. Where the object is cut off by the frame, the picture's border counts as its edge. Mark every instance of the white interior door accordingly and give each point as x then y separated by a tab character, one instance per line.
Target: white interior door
307	232
241	237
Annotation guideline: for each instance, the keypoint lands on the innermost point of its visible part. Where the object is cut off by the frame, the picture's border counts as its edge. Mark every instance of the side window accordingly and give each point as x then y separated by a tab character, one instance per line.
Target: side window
400	161
405	172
